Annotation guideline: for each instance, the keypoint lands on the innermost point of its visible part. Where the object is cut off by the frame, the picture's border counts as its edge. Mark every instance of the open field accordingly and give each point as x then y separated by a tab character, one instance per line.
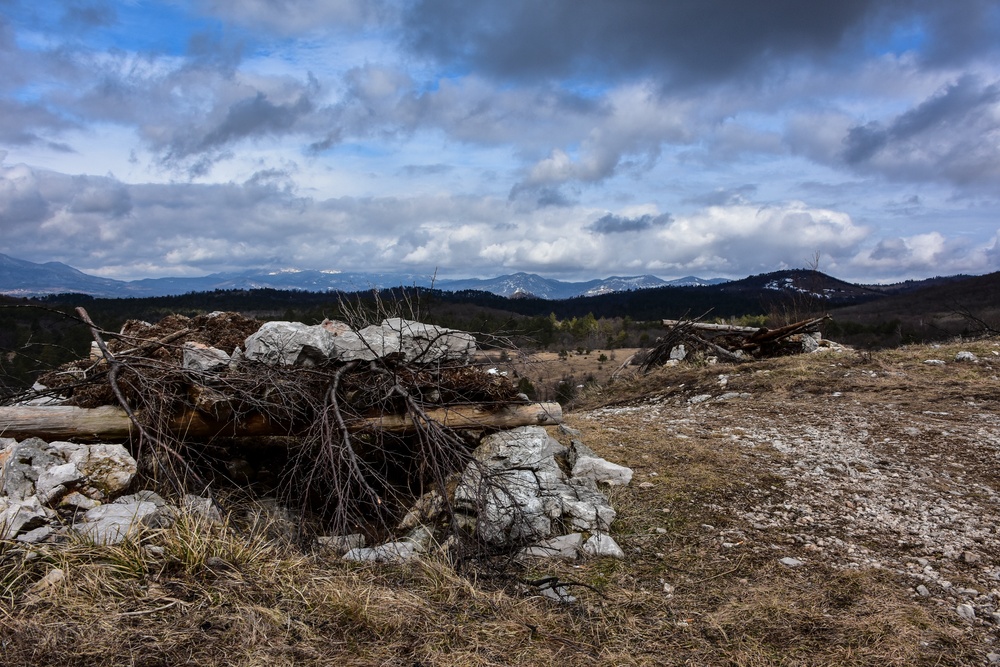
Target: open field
875	475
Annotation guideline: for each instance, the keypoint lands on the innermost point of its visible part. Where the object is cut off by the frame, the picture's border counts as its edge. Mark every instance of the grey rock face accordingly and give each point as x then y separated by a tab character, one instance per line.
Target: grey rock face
520	494
390	552
563	546
588	464
20	516
289	344
51	471
603	545
112	523
295	344
201	357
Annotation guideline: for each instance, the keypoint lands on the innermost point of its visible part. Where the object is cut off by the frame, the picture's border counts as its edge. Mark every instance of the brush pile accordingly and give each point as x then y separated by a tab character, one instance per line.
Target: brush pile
351	426
690	338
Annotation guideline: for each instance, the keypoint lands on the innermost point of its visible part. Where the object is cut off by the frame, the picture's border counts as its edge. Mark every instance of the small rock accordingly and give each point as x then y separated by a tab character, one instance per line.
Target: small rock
603	545
993	658
965	355
934	362
966	612
700	398
971	557
923	592
199	357
390	552
341	544
35	536
203	508
110	524
788	561
559	594
563	546
572	432
51	580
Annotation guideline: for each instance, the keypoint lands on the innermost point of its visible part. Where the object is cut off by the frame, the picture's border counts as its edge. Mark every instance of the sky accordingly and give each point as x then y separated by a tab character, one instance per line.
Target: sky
575	139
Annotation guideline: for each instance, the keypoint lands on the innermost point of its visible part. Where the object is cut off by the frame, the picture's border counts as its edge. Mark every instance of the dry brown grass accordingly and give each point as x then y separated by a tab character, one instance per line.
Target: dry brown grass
233	595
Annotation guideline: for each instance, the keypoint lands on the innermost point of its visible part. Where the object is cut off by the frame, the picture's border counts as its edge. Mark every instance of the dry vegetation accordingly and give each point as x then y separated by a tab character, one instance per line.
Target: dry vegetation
700	586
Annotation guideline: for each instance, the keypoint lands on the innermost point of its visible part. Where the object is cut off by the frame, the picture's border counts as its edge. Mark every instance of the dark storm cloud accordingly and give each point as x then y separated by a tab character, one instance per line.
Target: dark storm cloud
959	31
940	139
256	116
686	41
27	123
957	102
618	224
100	196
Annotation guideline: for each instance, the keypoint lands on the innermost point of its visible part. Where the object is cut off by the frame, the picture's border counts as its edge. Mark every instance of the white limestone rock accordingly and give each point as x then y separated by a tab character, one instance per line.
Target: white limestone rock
586	463
562	546
390	552
203	358
602	544
20	516
289	344
112	523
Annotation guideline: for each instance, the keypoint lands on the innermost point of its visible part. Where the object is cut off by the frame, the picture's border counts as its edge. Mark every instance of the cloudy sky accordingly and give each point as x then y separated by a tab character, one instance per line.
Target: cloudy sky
571	138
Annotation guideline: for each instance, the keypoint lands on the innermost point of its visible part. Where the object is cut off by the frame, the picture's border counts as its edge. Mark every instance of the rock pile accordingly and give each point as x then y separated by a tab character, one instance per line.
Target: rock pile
50	491
512	486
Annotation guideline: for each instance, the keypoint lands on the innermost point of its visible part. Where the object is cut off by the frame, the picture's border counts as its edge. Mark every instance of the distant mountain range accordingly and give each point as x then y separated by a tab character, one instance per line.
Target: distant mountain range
22	278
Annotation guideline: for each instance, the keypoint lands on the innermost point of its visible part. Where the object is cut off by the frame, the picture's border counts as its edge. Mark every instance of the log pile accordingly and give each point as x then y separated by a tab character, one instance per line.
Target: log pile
731	343
365	419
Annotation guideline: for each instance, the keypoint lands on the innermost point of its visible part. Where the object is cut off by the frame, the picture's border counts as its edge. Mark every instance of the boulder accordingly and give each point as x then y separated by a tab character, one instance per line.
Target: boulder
20	516
21	464
603	545
296	344
289	344
412	342
53	470
562	546
112	523
203	358
106	469
588	464
520	494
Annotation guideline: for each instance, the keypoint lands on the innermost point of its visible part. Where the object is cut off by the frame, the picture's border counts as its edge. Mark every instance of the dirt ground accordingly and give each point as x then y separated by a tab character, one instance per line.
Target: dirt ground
821	509
835	482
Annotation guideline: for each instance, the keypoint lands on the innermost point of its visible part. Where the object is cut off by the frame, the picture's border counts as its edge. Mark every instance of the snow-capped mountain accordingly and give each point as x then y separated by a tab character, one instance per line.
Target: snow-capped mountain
23	278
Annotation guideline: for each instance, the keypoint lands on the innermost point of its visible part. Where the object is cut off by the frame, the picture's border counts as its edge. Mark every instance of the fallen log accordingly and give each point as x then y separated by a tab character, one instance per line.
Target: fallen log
706	326
112	423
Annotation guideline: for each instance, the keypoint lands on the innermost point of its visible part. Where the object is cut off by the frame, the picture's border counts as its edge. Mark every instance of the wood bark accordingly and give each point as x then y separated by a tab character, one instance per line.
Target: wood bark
705	326
112	423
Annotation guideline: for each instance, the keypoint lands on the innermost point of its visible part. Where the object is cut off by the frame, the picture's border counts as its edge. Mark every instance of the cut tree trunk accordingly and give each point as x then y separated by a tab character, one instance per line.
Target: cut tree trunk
111	423
705	326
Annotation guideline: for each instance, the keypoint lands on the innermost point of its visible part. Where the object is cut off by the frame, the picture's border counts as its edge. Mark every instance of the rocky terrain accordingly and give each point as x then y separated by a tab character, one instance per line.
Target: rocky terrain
845	462
831	508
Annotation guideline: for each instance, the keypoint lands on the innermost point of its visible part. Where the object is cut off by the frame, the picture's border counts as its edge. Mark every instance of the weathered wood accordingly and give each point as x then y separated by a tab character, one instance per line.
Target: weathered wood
112	423
705	326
